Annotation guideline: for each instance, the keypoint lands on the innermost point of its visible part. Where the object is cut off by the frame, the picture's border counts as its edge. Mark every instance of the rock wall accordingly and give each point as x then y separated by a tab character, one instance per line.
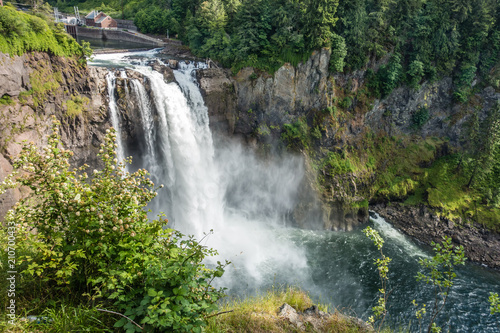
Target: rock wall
239	104
481	245
36	86
393	115
255	106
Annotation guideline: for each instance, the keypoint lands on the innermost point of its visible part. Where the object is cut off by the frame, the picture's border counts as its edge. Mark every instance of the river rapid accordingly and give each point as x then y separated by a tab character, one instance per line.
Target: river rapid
222	186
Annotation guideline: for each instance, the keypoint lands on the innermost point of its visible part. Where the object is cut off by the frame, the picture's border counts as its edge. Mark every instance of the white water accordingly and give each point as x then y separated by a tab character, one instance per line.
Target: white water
111	80
243	200
387	232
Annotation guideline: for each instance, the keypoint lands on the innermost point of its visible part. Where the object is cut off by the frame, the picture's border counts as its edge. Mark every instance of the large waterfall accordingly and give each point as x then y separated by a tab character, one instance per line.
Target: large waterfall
224	187
227	191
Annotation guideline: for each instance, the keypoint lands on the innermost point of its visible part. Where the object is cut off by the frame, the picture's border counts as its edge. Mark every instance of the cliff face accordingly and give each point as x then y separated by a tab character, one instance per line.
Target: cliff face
239	104
36	86
256	106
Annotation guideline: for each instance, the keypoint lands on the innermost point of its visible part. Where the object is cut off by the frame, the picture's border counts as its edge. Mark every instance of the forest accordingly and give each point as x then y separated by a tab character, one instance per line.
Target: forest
418	40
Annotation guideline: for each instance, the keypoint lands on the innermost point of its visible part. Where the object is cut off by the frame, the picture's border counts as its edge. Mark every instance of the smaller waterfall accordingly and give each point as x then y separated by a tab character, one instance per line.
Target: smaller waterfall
145	110
115	121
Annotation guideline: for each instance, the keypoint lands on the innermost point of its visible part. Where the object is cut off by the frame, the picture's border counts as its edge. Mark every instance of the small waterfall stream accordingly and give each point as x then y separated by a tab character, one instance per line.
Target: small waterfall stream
111	80
245	201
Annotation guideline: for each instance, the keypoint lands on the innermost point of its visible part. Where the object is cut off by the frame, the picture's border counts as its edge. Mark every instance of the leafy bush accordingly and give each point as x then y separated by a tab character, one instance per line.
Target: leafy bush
93	239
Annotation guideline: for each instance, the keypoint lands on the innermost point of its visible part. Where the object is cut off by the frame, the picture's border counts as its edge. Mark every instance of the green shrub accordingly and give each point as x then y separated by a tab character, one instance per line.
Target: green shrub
21	33
94	240
419	118
296	134
76	105
337	164
6	100
346	102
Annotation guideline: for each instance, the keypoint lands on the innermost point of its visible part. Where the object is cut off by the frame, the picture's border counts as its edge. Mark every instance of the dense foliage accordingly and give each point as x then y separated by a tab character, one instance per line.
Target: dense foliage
21	32
420	39
94	242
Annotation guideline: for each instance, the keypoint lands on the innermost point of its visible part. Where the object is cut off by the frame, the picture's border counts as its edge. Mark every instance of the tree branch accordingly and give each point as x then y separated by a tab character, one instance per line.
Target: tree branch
218	313
117	313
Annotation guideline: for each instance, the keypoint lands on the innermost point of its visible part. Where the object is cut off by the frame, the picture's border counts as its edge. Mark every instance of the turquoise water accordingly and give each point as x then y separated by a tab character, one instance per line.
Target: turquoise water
345	276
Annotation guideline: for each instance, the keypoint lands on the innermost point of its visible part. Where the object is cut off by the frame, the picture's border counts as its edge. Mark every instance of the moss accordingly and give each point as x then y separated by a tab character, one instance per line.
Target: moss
43	82
296	135
6	100
76	105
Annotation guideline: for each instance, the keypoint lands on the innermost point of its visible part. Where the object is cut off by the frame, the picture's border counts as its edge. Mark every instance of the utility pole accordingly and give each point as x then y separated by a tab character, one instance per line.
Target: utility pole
77	15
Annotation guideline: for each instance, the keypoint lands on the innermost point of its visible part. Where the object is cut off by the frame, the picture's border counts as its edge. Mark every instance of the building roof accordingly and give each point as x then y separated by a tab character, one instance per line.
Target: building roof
100	19
92	14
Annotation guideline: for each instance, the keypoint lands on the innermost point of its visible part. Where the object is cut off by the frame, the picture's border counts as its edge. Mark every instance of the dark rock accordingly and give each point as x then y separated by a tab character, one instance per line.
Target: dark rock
82	133
481	246
167	72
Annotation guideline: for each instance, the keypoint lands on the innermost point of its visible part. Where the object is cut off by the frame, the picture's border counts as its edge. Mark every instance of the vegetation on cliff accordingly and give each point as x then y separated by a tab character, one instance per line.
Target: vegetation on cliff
21	32
460	184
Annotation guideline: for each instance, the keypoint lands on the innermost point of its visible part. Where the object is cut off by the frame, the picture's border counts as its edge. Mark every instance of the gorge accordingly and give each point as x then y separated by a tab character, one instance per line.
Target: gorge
251	197
252	204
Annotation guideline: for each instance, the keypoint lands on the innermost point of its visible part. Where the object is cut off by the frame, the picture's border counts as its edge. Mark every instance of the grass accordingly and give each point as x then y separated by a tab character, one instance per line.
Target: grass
61	318
256	314
259	314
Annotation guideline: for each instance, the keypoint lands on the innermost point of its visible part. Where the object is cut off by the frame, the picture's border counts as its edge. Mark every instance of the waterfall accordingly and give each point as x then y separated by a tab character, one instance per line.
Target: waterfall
115	122
227	190
187	157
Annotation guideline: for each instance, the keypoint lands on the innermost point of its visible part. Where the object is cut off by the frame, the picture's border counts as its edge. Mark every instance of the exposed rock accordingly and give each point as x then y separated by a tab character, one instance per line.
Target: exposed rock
217	89
481	246
178	51
316	318
172	63
167	72
393	115
14	75
277	99
28	118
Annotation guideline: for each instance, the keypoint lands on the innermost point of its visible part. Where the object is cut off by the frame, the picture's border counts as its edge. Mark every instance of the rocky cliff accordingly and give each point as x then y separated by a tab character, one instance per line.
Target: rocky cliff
36	86
337	115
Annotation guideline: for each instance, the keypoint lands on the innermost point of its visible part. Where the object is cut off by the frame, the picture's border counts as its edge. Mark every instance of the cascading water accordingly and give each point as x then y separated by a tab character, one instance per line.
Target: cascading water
111	80
245	201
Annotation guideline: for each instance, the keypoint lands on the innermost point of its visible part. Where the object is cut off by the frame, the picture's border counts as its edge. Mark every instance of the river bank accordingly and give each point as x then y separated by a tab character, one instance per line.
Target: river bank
481	245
